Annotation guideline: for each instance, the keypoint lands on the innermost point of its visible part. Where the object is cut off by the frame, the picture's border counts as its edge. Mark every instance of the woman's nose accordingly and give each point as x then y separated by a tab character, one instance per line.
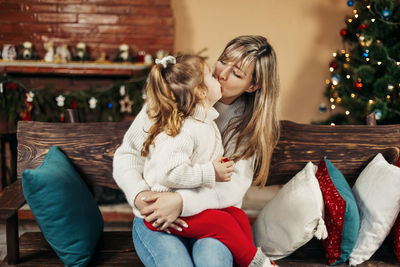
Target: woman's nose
223	75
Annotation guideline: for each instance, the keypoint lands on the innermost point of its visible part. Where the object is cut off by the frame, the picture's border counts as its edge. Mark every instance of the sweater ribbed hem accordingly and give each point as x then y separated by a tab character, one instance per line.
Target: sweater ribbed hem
208	174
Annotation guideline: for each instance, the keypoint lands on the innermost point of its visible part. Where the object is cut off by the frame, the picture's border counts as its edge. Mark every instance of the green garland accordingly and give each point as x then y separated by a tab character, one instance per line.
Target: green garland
15	105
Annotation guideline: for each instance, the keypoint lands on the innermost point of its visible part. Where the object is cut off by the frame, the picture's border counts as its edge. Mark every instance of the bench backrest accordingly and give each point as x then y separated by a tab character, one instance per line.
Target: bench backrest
91	147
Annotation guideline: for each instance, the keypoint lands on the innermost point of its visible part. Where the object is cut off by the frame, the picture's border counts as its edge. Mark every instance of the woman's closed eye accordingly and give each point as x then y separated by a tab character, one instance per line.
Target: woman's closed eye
237	75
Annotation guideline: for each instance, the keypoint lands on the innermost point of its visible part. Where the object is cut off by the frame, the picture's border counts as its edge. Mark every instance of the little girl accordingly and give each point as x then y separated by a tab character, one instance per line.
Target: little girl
184	149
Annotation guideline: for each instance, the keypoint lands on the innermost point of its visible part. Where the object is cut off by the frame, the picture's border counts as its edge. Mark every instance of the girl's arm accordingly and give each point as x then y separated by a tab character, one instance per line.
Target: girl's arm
170	164
224	194
128	162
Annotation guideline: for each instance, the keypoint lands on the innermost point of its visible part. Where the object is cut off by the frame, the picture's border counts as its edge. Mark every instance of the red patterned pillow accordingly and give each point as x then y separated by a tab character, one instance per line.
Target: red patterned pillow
396	229
342	219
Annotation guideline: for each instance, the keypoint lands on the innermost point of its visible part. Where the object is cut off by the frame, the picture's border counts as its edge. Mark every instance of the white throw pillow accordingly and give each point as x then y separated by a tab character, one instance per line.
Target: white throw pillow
377	192
292	217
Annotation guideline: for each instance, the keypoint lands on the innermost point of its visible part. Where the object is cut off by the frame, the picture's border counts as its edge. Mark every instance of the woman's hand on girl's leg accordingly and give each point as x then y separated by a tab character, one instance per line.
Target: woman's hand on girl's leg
164	209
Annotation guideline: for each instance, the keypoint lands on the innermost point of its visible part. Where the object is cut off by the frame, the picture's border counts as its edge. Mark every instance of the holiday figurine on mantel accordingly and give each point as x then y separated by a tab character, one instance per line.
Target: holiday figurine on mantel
27	51
62	54
123	54
48	46
81	53
9	52
102	58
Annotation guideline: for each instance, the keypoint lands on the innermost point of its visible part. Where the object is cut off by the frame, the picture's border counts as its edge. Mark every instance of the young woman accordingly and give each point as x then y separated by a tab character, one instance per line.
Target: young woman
181	93
247	72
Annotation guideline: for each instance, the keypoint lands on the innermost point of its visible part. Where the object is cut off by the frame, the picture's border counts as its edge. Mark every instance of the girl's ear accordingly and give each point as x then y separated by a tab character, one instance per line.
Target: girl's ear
252	88
200	93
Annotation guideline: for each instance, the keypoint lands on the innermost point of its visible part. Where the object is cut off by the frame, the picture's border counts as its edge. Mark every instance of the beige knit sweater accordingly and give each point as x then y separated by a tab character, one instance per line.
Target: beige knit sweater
185	160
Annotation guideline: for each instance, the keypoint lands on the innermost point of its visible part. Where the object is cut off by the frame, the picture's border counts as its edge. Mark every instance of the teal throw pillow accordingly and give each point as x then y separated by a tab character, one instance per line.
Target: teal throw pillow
64	208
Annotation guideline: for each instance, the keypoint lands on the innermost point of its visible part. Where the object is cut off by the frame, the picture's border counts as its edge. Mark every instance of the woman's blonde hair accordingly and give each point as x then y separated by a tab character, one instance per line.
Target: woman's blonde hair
257	129
172	93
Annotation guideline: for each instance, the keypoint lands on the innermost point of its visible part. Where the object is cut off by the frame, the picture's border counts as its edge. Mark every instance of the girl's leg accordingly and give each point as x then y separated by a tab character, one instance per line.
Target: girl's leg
223	226
159	249
208	252
242	219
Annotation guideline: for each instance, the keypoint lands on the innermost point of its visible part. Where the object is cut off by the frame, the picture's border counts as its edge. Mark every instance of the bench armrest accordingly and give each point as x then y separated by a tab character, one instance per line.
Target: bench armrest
11	199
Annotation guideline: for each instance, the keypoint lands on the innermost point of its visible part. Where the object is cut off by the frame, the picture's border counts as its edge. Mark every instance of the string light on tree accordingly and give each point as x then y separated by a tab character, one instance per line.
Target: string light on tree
350	3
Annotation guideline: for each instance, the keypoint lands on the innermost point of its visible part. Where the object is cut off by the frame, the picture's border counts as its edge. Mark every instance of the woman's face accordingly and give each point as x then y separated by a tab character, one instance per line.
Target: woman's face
213	87
234	81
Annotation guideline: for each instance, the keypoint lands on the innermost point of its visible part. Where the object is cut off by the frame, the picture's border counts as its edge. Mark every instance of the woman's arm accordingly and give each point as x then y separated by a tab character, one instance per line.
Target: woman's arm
128	162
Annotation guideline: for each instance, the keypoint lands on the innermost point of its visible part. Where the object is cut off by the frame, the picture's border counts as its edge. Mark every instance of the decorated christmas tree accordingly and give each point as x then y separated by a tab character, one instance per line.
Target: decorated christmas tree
365	73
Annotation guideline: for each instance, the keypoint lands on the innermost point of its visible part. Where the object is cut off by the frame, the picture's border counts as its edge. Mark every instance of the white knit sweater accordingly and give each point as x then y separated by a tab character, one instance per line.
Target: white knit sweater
185	160
128	166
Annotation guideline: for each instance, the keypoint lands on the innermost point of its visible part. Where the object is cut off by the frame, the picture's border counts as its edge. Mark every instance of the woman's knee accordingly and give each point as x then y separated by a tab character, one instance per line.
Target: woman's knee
158	248
211	252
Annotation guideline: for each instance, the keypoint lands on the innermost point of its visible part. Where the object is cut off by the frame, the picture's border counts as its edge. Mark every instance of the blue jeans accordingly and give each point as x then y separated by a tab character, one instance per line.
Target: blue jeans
162	249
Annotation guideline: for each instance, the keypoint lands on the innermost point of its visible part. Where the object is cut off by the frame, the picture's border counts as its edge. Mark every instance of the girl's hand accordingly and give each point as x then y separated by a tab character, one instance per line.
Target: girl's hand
223	169
163	210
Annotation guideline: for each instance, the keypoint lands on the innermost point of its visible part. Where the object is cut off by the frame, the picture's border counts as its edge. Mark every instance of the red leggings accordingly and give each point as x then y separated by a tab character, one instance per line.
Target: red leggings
230	226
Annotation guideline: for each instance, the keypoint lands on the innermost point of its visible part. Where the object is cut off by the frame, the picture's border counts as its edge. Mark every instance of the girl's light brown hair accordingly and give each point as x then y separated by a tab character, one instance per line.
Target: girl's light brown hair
257	129
172	94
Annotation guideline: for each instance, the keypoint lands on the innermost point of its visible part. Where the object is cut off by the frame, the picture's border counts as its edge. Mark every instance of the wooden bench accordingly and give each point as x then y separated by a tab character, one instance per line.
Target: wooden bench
91	147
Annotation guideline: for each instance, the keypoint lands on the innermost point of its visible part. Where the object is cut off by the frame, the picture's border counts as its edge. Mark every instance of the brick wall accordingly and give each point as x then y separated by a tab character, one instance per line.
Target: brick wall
102	24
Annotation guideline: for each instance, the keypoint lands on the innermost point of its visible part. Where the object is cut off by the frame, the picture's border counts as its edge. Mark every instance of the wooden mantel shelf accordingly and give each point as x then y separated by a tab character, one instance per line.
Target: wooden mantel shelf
71	68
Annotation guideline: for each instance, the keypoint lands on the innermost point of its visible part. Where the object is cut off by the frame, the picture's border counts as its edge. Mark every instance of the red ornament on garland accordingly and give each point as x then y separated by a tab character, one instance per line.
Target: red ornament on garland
343	32
333	65
11	86
26	114
74	104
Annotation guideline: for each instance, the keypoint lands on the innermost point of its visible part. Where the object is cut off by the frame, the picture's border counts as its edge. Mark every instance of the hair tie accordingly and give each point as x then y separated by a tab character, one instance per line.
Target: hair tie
165	60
